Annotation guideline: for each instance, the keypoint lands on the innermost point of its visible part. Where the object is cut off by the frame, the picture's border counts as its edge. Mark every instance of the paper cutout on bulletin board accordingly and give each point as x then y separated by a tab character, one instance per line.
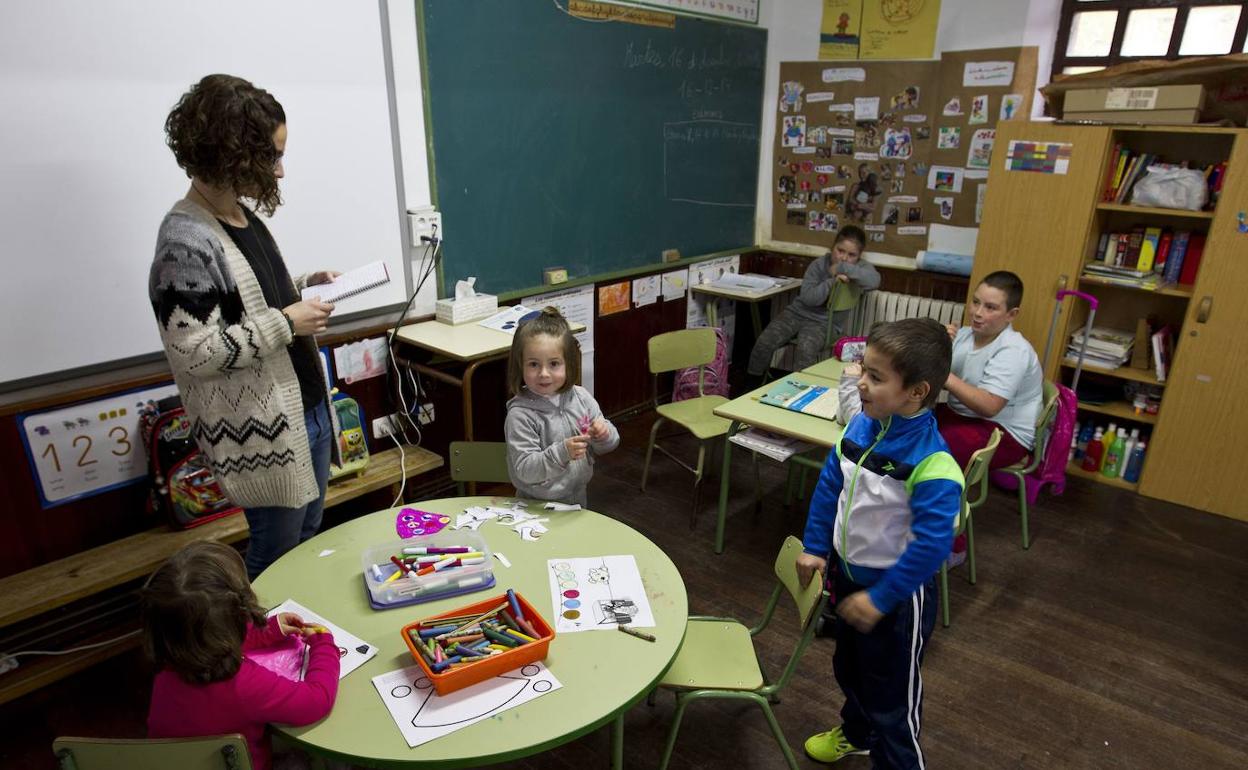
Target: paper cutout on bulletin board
898	29
645	290
1040	157
839	30
613	298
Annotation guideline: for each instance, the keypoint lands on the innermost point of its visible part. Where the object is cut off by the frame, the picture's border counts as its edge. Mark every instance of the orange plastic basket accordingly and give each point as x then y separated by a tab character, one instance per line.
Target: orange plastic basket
460	677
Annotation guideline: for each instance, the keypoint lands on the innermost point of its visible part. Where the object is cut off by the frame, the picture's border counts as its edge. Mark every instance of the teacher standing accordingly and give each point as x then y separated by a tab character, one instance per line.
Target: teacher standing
238	338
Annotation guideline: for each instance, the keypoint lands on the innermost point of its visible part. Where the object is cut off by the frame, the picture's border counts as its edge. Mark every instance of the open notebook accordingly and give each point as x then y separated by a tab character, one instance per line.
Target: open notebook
815	400
350	283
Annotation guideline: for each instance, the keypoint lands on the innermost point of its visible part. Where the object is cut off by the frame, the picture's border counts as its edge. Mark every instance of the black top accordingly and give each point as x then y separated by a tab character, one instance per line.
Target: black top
259	248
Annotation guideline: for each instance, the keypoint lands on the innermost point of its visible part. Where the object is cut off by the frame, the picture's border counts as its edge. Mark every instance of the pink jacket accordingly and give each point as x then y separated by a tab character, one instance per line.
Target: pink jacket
248	701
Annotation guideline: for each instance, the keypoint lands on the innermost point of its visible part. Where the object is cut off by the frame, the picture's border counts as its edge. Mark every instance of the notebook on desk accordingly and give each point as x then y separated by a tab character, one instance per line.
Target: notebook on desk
815	400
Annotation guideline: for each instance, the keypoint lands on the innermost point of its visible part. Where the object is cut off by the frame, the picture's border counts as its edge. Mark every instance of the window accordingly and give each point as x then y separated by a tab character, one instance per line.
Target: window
1094	34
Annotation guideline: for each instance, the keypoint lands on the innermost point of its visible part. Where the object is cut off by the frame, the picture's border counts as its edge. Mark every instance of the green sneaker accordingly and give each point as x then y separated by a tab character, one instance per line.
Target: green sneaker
831	746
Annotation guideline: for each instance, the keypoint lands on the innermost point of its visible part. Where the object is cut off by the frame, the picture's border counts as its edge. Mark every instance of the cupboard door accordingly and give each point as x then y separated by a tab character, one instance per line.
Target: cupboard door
1197	457
1037	225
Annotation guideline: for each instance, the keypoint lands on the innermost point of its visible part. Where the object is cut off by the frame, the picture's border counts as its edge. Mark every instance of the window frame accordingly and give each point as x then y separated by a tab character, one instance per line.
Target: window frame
1124	7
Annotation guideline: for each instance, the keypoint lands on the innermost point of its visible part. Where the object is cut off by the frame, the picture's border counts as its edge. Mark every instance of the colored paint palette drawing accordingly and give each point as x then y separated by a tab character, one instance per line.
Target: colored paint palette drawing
597	593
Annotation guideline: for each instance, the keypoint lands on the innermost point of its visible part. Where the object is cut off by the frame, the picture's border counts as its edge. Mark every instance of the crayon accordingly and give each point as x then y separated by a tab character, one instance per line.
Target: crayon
527	627
501	638
426	633
517	635
510	621
445	663
636	633
515	605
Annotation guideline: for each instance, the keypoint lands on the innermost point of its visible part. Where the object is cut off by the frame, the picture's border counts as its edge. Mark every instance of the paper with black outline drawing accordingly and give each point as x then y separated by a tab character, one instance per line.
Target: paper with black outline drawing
422	715
353	651
607	590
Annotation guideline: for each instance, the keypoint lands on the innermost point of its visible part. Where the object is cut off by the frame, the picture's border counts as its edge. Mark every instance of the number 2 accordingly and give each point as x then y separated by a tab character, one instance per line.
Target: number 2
82	458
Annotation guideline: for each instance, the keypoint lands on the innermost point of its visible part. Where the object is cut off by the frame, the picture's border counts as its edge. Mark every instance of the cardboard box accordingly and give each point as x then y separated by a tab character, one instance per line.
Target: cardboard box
1181	97
461	311
1147	117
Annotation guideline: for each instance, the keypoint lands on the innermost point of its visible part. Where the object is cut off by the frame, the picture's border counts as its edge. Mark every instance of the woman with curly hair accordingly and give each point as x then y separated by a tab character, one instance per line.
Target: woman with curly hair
238	338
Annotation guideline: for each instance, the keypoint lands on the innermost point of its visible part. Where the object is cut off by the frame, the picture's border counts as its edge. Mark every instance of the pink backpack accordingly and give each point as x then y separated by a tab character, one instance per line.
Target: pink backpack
714	374
1052	470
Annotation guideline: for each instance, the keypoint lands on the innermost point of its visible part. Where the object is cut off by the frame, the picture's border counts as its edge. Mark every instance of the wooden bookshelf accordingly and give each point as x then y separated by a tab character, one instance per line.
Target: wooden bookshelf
1120	409
1073	469
1164	291
1146	376
1152	211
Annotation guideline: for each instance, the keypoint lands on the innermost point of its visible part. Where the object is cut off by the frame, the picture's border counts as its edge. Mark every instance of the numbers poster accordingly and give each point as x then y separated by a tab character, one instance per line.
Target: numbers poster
86	448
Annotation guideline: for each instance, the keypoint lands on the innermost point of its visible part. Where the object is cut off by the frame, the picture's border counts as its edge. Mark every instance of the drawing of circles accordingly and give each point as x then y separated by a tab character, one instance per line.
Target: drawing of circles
407	517
542	685
530	670
422	683
572	603
566	576
567	584
563	565
571	594
571	614
401	691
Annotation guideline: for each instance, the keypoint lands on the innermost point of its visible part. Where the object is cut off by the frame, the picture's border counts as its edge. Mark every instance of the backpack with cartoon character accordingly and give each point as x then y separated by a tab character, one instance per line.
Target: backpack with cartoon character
183	487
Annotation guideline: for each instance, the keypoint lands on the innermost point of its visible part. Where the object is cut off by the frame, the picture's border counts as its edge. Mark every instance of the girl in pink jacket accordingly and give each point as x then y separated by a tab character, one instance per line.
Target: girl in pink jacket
200	617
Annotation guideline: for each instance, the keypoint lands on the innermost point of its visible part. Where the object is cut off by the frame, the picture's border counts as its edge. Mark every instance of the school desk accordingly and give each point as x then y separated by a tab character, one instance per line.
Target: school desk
829	368
752	298
469	343
603	673
748	411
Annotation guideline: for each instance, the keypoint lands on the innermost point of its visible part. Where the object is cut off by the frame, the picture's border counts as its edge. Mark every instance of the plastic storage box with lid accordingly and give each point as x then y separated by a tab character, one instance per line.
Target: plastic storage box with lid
461	676
476	573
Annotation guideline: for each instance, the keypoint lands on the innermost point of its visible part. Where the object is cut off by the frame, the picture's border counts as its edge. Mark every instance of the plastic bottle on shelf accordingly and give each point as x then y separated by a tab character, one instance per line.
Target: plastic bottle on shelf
1085	435
1107	440
1092	458
1126	452
1114	458
1135	463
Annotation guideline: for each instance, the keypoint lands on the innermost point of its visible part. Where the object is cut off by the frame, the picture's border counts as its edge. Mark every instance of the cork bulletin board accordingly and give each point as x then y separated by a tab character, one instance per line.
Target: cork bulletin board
977	90
858	142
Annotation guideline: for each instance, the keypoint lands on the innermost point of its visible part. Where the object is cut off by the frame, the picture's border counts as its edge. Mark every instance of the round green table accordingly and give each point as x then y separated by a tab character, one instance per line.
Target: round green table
603	674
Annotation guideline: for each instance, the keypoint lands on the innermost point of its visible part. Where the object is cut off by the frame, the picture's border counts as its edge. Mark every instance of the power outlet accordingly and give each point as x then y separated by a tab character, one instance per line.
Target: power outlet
384	426
425	222
426	414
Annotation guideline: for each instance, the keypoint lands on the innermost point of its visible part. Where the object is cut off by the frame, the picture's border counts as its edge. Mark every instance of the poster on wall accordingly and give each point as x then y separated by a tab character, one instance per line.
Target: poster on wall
85	449
899	29
839	29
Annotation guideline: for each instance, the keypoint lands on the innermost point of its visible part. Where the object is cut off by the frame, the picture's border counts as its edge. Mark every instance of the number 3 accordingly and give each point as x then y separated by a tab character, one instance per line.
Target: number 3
125	439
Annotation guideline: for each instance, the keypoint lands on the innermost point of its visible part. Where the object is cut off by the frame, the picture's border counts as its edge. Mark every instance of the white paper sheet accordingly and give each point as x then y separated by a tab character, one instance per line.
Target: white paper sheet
353	650
422	715
597	594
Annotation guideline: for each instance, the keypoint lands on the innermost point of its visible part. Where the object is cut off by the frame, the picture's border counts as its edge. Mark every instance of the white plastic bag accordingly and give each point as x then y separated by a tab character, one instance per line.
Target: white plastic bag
1171	188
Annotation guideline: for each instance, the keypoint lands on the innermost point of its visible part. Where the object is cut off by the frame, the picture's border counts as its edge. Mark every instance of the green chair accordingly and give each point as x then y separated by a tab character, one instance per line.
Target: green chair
473	461
221	752
842	297
718	658
672	351
976	474
1020	470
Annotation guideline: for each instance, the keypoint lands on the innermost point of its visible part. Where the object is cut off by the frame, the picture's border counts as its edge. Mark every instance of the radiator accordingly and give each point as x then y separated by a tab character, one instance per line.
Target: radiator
876	307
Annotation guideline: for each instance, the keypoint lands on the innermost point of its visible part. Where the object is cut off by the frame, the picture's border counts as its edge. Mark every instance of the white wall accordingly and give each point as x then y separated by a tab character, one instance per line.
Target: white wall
793	35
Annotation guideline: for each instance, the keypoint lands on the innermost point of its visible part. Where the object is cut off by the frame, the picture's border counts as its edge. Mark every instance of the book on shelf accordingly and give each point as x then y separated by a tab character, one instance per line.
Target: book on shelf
1191	263
1094	268
1163	251
1163	352
1102	339
1178	252
1149	240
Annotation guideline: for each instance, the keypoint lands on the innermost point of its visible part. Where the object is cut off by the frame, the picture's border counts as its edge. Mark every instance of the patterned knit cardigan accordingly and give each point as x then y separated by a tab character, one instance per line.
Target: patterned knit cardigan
227	350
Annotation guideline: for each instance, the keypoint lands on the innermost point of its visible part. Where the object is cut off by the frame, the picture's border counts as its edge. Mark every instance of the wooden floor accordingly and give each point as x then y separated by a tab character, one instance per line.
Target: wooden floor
1120	640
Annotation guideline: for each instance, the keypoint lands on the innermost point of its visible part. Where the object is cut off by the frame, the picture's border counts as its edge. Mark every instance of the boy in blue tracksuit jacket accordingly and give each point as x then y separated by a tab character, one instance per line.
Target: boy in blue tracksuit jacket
885	508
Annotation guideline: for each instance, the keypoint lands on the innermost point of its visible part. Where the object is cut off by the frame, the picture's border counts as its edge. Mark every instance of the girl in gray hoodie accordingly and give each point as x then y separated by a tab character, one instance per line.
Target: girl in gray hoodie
554	428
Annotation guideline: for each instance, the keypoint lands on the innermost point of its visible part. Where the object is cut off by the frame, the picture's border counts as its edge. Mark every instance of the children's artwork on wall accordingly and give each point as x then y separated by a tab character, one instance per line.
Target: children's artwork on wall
950	137
944	179
907	99
675	283
1011	104
794	131
791	96
613	298
952	108
422	715
914	214
646	290
980	155
897	143
597	594
945	207
892	214
979	110
817	135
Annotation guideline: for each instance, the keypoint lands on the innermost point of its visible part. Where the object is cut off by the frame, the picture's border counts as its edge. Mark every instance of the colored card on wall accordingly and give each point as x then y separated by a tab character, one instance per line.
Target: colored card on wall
839	29
899	29
613	298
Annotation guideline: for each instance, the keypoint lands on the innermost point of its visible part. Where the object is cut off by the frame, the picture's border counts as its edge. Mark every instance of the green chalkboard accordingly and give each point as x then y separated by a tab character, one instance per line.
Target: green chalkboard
594	146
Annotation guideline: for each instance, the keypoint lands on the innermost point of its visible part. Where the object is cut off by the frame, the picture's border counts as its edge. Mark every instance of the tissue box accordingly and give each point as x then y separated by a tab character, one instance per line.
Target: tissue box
460	311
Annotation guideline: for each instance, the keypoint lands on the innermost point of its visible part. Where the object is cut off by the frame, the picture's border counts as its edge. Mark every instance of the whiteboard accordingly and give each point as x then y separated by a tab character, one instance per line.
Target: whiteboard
85	176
